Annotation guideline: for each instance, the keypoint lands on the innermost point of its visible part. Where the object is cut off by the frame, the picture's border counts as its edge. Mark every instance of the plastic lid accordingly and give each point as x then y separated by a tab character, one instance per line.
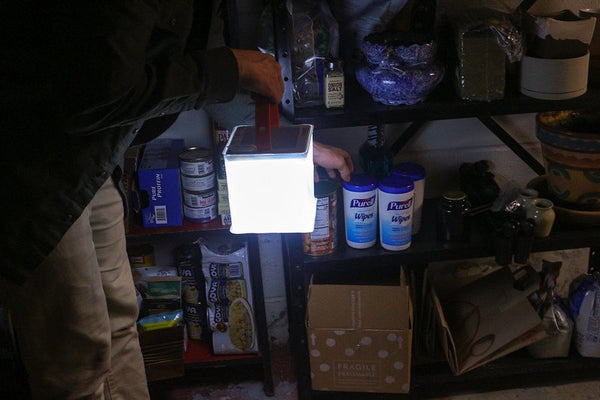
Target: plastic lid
361	183
410	170
455	195
396	184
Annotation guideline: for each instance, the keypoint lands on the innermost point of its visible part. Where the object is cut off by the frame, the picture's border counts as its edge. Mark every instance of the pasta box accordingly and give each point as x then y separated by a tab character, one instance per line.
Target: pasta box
360	337
159	184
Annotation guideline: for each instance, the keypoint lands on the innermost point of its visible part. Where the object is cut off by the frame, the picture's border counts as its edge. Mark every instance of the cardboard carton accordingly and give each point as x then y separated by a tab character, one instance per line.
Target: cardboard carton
163	351
360	337
159	185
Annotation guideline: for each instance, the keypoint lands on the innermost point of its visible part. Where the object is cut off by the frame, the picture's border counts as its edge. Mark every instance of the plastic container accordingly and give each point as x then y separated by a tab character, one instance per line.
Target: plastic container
395	194
452	222
360	211
417	174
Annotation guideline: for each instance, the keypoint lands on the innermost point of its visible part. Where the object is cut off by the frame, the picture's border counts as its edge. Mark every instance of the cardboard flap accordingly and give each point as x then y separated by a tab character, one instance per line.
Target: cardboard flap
358	307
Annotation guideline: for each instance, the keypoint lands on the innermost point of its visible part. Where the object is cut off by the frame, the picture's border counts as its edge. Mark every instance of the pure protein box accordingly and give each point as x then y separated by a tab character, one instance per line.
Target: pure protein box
230	308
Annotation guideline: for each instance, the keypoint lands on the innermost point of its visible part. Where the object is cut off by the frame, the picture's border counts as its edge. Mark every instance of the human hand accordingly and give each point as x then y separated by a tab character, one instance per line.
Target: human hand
260	73
332	158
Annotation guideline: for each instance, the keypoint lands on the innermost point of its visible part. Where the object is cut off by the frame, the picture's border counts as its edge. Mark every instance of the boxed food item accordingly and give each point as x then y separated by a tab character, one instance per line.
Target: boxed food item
163	351
360	337
159	184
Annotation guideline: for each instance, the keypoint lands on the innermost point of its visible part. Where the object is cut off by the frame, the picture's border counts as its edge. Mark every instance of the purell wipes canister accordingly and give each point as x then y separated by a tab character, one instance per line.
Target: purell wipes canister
360	211
395	212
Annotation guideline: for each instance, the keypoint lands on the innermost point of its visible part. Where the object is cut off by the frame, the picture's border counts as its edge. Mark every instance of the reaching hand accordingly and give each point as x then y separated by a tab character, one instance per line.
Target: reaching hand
260	73
332	158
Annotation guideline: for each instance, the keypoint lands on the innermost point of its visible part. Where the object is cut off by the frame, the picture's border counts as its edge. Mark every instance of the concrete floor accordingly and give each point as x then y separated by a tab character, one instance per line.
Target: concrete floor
225	385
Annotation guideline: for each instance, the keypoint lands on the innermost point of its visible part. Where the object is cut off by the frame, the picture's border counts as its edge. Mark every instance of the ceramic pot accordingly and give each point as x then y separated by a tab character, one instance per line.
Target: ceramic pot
571	149
525	197
542	213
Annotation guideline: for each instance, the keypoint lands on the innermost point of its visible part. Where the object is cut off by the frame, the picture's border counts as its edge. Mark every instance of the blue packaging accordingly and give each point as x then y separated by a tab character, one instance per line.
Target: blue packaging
395	212
360	211
159	184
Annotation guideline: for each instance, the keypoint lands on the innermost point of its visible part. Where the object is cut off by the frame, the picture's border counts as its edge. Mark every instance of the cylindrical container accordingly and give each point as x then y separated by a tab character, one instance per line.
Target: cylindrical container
141	255
542	213
416	173
199	199
198	183
526	196
360	211
196	161
396	197
200	214
323	239
452	222
193	313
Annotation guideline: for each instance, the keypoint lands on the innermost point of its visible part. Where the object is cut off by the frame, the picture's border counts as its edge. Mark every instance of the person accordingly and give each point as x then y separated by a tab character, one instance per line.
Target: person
83	81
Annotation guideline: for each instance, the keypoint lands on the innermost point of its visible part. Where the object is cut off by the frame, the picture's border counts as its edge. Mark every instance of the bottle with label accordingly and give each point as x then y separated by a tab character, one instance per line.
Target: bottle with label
333	82
360	211
375	158
395	196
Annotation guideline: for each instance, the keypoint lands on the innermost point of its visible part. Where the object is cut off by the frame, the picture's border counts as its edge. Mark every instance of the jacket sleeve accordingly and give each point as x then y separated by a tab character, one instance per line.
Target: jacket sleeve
120	62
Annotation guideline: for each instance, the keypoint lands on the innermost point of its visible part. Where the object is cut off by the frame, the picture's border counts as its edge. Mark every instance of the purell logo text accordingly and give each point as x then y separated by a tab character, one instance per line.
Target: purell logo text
399	205
361	203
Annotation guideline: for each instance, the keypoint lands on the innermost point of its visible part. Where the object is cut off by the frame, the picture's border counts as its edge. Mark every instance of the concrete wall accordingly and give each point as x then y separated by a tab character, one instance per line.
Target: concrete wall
441	147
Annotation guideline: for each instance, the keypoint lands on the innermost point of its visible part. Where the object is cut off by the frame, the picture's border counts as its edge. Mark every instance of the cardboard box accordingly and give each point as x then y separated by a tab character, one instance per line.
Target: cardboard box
484	320
159	185
163	351
360	337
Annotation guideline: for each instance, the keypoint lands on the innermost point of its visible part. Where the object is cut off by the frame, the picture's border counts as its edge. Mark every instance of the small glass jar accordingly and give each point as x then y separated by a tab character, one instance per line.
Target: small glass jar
452	221
333	82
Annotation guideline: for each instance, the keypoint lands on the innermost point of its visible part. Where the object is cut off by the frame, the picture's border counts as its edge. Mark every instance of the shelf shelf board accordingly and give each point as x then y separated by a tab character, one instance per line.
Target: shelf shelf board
137	231
199	354
360	109
426	247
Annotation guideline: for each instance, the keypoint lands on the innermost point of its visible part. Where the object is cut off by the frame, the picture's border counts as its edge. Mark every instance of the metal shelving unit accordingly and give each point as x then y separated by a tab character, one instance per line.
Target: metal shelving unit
199	355
432	378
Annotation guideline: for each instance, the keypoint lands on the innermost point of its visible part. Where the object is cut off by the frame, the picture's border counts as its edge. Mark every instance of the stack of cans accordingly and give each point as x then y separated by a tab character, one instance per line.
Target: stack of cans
198	181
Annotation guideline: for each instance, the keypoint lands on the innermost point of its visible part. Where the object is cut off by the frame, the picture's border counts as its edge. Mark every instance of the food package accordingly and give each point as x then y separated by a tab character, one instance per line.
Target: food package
484	39
584	302
230	310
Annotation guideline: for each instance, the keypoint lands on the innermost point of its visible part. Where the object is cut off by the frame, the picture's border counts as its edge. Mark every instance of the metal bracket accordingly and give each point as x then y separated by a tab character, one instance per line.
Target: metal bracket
513	145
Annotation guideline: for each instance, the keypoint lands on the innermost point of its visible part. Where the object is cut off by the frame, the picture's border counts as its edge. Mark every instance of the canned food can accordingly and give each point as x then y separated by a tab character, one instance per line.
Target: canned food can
198	183
141	255
195	161
323	239
200	214
199	199
193	314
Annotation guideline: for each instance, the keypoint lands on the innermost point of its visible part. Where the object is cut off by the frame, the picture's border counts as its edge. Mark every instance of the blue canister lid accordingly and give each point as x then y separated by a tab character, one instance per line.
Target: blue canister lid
361	183
396	184
410	170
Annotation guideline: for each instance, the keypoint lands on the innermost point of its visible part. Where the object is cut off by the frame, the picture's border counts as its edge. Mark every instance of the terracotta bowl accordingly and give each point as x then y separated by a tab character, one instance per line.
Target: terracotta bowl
565	216
571	149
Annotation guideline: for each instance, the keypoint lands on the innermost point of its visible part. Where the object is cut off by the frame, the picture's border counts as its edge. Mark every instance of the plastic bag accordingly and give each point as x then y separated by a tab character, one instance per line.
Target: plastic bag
315	37
584	302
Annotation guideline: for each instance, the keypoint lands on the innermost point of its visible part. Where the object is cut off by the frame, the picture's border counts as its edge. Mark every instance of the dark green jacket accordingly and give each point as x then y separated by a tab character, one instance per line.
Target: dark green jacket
80	80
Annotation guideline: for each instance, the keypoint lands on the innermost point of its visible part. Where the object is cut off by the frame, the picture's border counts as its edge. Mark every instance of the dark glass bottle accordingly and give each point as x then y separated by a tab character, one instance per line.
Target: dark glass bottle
375	158
452	221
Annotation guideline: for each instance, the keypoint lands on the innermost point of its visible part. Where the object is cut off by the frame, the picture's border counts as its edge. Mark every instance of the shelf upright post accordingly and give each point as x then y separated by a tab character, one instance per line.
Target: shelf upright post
282	28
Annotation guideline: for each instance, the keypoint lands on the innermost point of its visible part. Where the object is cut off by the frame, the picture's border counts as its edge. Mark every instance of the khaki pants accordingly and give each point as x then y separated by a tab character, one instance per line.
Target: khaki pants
75	319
